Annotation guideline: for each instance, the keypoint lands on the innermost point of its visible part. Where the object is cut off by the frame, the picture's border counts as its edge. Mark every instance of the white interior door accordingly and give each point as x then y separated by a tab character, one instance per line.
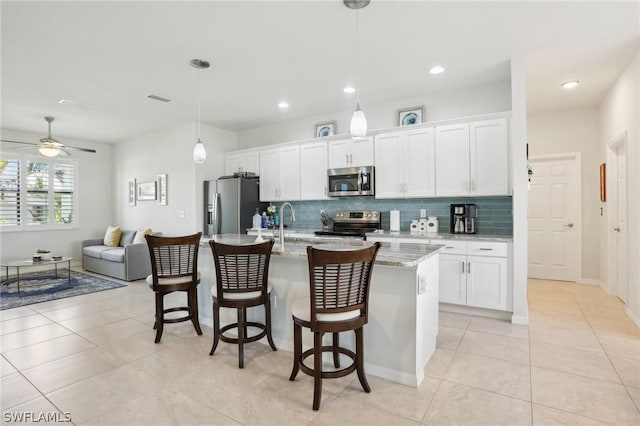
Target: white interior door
621	186
553	219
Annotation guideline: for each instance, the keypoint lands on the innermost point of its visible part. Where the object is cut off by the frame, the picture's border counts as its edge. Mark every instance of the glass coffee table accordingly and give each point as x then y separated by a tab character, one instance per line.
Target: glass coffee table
30	263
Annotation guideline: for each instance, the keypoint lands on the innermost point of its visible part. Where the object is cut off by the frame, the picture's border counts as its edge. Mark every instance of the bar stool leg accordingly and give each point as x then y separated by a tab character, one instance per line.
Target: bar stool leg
267	317
193	310
297	350
241	335
360	360
317	370
336	354
159	315
216	327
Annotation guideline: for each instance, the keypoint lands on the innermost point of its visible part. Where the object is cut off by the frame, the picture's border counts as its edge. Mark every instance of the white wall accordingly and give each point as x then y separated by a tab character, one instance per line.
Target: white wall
620	112
95	200
168	152
575	130
438	106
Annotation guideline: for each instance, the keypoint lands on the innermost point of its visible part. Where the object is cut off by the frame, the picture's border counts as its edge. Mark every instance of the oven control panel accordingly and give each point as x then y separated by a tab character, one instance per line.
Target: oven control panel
360	216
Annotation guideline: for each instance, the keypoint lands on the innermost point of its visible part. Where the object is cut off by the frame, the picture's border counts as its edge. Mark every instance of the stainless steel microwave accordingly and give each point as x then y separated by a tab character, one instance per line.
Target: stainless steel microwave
351	181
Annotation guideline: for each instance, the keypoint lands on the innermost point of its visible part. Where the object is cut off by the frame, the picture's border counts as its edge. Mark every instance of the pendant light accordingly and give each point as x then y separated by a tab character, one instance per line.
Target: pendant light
358	127
199	153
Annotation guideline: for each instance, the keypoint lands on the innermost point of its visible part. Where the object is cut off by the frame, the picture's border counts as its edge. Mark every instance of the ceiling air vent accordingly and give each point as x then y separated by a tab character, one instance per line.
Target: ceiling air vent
158	98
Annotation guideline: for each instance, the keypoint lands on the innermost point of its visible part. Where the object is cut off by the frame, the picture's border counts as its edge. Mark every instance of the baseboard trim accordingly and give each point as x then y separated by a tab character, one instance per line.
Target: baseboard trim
519	320
589	281
633	316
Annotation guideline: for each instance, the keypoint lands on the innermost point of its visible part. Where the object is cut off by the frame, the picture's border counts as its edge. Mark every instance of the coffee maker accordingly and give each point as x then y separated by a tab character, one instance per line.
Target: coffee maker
463	218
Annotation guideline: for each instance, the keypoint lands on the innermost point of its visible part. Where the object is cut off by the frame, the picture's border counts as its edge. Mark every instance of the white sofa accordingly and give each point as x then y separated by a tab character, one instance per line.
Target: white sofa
127	261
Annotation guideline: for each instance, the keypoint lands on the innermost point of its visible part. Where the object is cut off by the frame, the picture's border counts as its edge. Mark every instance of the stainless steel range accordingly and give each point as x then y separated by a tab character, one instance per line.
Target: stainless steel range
354	223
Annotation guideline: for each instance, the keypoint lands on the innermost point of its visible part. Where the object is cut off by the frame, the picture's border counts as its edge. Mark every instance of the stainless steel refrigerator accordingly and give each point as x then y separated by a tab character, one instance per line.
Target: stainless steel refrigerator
230	203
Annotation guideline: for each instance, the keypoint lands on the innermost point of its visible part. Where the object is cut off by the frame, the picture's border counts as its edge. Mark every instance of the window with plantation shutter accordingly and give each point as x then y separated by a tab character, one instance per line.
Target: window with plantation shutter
9	192
37	193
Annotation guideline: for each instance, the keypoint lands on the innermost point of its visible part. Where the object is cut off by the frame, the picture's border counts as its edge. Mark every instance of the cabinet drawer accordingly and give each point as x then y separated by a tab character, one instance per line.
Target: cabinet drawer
493	249
451	246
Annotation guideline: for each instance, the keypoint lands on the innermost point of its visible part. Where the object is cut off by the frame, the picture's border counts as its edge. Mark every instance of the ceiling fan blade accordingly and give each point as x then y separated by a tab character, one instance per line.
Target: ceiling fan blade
24	143
64	152
81	149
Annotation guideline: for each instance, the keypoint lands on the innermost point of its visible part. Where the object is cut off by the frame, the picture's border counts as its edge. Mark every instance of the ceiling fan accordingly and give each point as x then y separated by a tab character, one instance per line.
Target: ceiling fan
50	147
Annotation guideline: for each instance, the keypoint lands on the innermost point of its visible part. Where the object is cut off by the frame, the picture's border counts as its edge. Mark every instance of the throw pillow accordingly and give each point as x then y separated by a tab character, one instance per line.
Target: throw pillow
112	236
139	238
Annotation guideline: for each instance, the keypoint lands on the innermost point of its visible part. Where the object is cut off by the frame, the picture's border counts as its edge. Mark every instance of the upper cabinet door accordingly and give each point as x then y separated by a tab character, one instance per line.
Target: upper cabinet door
361	152
269	175
389	183
313	171
242	161
489	150
452	160
419	163
289	173
339	151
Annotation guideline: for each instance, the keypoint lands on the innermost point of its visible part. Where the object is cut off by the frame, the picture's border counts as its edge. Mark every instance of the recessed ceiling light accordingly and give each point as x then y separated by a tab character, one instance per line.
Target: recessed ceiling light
571	84
283	105
437	69
349	89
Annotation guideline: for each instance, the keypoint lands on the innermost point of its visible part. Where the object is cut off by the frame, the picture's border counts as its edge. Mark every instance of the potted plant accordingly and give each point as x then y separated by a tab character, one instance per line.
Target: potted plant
44	254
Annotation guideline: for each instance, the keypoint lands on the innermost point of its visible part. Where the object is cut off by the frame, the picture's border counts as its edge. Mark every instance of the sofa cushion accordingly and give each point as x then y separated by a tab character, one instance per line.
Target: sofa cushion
139	238
113	254
95	251
112	236
126	238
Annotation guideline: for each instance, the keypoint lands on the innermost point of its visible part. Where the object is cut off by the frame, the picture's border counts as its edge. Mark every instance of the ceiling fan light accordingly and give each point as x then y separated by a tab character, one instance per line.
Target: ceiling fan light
358	127
48	151
199	153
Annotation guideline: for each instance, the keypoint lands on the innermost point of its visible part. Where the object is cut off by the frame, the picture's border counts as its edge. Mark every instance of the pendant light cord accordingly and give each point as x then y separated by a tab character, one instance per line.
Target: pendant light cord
199	105
357	60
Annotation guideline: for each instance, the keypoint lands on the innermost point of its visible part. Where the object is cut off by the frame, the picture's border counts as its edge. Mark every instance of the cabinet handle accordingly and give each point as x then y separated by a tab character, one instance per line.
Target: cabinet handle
469	268
325	190
351	158
462	267
346	158
448	247
485	249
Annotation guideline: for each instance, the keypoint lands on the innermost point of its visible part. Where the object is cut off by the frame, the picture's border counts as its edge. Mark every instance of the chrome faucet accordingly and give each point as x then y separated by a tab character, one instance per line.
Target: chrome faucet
293	218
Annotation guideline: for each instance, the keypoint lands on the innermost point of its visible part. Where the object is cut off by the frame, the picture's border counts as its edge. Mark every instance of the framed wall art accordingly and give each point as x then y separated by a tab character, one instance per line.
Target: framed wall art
325	129
161	181
409	116
146	191
132	192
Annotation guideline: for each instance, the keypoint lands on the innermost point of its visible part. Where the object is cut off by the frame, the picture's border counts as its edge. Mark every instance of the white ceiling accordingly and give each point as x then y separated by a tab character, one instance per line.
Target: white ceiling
109	56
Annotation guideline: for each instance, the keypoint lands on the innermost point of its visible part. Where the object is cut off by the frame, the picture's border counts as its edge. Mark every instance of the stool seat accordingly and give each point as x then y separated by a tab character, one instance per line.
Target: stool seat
242	274
300	309
339	301
169	281
174	267
239	296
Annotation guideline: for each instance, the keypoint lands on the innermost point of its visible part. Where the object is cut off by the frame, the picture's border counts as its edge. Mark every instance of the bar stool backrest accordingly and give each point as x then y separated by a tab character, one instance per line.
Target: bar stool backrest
241	268
174	257
339	280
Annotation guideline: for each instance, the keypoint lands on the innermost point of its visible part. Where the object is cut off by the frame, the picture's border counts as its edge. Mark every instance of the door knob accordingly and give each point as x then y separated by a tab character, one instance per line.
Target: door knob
568	225
616	229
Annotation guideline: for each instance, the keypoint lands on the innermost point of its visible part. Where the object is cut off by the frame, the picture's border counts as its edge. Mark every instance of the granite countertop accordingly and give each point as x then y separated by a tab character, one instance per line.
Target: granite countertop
390	254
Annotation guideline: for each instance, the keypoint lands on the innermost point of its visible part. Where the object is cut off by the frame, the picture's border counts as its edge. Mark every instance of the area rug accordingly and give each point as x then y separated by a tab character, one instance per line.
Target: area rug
38	287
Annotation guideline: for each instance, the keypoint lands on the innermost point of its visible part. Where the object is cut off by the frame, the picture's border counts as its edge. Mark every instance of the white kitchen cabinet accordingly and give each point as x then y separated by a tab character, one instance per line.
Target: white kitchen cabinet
313	171
241	161
489	157
280	174
474	274
472	158
350	153
405	164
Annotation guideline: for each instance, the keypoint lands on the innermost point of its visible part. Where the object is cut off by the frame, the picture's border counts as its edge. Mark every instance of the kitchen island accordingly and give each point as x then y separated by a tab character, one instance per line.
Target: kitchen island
400	336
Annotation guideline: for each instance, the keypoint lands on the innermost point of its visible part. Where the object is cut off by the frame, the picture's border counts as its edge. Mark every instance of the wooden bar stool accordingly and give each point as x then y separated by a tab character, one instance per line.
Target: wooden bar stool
339	301
242	274
174	267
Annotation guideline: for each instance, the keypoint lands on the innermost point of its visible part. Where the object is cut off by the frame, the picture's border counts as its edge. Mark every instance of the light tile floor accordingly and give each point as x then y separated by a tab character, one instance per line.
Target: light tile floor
93	356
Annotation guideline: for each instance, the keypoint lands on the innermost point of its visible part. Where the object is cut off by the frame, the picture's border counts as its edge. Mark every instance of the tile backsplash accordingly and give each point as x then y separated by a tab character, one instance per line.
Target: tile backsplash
494	213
